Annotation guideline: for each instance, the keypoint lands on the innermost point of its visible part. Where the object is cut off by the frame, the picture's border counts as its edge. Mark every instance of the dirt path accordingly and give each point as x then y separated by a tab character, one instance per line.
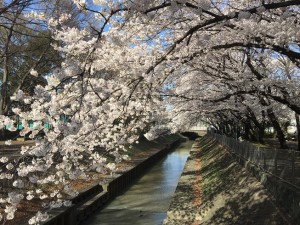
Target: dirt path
224	192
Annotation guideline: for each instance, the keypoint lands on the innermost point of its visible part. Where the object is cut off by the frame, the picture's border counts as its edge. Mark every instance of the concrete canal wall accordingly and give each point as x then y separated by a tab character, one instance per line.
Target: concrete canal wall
94	198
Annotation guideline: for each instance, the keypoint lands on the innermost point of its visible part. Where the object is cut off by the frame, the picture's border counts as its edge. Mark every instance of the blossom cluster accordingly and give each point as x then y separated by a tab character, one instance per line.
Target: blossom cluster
148	67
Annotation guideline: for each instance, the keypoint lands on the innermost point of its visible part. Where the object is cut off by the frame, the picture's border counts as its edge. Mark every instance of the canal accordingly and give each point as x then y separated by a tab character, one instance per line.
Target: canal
146	202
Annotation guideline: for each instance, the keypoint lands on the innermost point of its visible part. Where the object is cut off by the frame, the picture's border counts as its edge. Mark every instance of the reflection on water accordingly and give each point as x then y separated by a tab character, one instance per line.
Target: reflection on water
147	201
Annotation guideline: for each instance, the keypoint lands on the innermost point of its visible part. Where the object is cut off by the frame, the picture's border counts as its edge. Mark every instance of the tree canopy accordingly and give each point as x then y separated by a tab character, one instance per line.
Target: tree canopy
144	67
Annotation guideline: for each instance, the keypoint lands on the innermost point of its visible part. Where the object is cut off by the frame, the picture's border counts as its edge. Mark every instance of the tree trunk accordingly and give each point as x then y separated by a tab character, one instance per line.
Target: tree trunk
260	127
278	129
298	129
261	134
252	135
5	95
246	130
4	101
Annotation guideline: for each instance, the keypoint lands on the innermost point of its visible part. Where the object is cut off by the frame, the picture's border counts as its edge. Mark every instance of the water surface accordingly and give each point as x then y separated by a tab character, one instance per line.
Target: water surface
146	202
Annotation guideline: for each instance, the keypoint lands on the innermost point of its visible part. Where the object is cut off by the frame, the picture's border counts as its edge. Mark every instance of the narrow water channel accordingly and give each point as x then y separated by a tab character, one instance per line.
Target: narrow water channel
146	202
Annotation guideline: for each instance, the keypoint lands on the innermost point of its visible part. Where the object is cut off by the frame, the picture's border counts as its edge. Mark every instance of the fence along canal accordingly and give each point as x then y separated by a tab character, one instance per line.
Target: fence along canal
277	169
281	163
147	201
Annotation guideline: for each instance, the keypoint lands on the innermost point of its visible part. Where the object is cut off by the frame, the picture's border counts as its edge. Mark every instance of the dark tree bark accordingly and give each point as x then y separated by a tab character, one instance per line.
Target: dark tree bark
298	129
260	126
278	129
247	130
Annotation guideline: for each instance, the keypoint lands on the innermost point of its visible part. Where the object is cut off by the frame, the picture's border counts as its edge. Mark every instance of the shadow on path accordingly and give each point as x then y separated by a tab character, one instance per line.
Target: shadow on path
229	194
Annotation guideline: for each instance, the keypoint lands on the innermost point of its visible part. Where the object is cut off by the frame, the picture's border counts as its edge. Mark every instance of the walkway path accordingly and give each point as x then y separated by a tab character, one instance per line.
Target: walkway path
215	190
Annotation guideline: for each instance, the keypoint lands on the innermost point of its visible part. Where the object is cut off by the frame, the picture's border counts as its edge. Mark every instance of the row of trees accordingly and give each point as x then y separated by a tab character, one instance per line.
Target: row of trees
129	67
244	76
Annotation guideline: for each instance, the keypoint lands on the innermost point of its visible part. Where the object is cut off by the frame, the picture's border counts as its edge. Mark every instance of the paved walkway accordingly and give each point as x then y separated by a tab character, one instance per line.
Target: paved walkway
215	190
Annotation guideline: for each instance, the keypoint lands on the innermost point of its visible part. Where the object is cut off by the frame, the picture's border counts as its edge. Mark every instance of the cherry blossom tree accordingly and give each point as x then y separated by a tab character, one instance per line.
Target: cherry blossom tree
144	66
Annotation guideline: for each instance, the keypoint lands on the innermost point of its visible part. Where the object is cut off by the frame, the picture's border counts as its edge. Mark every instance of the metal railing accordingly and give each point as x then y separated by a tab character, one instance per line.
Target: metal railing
282	163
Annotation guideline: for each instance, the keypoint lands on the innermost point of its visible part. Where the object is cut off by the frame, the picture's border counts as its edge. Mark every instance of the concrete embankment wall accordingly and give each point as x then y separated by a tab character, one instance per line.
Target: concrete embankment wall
286	194
215	189
94	198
